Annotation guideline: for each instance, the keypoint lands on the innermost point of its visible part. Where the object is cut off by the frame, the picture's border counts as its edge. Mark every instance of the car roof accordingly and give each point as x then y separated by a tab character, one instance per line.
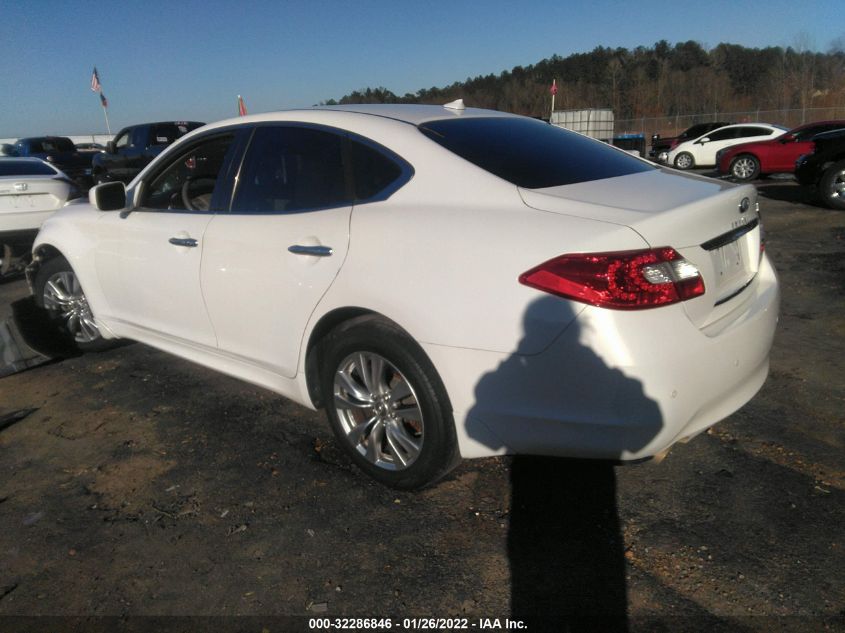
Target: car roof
814	123
413	114
29	139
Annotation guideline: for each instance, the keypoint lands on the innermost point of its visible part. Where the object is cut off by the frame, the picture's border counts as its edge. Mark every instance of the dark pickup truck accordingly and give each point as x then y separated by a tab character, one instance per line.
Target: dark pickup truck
134	147
60	152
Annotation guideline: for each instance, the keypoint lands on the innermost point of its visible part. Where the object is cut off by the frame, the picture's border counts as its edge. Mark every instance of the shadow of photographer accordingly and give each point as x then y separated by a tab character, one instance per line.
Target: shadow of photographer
565	545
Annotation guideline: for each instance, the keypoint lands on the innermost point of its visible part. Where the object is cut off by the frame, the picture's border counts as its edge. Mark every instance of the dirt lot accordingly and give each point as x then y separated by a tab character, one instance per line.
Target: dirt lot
142	485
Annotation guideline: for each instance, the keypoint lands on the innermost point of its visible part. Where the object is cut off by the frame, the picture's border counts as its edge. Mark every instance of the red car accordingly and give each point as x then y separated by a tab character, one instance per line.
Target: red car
751	160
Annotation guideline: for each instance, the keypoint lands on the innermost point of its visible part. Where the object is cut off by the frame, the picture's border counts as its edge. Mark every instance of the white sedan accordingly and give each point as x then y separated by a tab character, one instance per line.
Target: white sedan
446	282
701	152
31	190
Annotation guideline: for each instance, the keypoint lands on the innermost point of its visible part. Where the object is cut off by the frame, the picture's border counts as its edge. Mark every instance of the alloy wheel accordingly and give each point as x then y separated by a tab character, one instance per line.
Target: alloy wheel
744	168
836	189
64	299
378	410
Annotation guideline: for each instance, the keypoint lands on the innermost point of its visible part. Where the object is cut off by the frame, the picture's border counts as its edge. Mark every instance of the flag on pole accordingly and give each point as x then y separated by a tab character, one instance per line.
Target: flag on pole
95	81
241	106
103	100
553	89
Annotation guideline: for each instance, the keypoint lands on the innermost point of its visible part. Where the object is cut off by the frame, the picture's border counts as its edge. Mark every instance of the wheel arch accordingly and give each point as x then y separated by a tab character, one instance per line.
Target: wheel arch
41	254
326	324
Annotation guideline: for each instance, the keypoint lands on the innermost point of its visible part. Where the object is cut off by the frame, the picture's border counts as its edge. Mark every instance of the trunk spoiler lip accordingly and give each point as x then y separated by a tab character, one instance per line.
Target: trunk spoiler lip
730	236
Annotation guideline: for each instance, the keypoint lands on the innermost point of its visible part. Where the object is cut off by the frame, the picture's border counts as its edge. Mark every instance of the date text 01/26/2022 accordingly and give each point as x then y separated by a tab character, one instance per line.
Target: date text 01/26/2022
409	624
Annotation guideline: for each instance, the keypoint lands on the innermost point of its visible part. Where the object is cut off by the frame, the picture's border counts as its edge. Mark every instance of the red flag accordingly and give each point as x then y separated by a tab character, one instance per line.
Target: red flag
95	81
553	89
241	106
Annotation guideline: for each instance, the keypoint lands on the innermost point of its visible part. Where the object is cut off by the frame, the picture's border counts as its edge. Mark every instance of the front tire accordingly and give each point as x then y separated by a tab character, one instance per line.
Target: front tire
684	160
387	405
59	293
745	167
832	186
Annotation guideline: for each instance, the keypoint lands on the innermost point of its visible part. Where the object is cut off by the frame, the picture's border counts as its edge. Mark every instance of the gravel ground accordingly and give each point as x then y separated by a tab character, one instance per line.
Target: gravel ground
134	485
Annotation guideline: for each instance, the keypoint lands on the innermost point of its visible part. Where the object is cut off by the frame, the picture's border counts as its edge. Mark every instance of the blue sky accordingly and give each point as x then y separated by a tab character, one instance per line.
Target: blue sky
190	60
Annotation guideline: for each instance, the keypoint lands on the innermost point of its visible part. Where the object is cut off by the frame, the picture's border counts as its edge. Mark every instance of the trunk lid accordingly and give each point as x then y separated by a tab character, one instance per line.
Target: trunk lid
699	217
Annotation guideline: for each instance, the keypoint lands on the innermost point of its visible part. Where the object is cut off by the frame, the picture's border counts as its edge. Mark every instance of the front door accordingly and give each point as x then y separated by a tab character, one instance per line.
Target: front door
148	262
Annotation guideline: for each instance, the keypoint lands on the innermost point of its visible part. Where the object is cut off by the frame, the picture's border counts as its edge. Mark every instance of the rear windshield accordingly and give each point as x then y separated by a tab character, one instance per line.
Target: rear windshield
530	153
11	167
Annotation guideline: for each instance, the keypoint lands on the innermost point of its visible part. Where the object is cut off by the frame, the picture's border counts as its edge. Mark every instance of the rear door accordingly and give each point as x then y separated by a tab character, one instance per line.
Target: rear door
268	262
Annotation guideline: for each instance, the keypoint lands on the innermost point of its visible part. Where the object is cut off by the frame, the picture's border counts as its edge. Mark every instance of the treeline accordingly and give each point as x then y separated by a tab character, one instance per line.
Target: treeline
661	80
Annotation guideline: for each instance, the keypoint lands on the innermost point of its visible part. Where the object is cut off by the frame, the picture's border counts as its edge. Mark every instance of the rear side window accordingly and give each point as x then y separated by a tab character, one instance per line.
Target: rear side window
25	168
289	169
374	173
724	135
745	132
530	153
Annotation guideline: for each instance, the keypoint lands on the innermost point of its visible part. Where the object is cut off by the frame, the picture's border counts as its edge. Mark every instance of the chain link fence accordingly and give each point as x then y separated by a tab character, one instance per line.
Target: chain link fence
674	125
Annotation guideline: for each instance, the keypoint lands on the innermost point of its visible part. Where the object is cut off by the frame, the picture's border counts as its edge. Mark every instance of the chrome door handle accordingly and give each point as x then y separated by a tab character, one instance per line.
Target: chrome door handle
183	241
317	251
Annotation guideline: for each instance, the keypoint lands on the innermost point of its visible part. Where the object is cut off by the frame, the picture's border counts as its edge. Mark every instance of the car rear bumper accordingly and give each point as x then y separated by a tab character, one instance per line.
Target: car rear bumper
614	385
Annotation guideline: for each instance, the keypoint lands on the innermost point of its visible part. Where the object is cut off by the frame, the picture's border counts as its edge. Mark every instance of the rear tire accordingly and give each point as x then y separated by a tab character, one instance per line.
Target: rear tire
684	160
387	405
832	186
59	293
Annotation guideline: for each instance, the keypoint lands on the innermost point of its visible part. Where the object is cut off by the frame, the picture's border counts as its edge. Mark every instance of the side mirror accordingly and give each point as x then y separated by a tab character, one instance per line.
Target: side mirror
787	138
704	140
109	196
110	148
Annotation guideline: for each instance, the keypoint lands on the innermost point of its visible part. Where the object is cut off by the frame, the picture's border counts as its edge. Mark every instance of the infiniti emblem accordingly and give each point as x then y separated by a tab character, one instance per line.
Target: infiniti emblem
743	206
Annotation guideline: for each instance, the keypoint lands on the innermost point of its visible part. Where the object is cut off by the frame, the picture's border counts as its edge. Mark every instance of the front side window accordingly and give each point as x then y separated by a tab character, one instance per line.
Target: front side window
122	140
188	182
139	137
530	153
290	168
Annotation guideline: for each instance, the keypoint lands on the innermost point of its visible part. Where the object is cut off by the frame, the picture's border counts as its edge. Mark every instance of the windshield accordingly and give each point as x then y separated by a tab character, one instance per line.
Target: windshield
530	153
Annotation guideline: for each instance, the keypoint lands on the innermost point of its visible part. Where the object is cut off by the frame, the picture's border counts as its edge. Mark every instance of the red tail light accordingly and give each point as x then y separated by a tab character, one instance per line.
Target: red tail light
624	280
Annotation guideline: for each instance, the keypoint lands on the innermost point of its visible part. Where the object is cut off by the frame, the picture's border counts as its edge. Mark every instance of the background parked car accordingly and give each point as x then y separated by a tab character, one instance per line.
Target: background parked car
822	172
134	147
59	151
701	152
30	191
748	161
665	144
